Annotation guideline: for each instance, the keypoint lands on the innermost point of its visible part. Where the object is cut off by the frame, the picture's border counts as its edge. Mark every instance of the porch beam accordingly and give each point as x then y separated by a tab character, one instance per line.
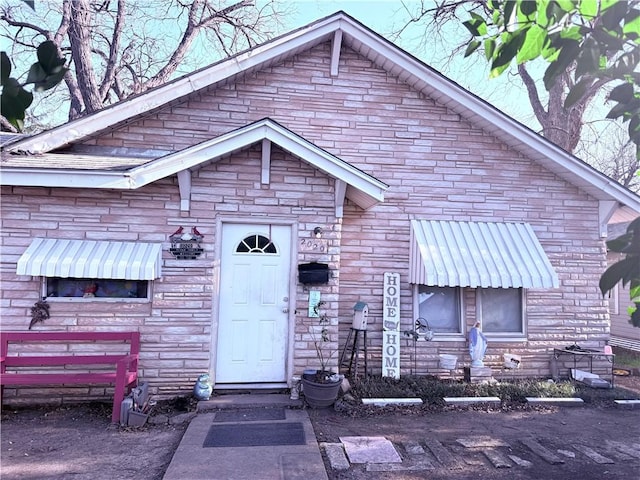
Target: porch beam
606	208
184	184
341	194
335	52
266	161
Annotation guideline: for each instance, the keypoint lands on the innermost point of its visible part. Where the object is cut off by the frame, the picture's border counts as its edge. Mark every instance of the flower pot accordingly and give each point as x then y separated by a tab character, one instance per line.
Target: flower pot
320	395
137	419
448	362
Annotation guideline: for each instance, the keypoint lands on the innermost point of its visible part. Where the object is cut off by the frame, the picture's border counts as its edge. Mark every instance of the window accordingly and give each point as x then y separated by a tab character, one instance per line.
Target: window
500	311
256	244
441	307
614	302
96	288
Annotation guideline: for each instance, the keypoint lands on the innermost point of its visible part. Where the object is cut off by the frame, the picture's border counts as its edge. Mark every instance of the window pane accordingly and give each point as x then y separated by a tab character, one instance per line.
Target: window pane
98	287
501	310
256	244
441	307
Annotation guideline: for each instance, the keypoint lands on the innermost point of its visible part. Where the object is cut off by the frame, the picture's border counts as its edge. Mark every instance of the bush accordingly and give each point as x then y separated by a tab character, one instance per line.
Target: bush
432	390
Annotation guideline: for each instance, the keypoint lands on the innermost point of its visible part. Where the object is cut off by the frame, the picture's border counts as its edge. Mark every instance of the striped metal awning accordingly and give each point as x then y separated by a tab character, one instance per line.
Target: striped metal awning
48	257
478	254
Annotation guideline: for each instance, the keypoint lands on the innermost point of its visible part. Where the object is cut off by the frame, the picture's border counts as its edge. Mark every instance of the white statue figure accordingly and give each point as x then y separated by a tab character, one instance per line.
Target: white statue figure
477	346
203	388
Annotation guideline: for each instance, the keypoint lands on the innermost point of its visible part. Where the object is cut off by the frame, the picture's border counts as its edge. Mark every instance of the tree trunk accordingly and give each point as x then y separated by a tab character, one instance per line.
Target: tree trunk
560	125
80	38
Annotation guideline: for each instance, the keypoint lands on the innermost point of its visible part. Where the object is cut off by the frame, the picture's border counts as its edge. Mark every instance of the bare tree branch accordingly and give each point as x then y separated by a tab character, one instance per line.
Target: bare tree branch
80	40
110	61
5	126
110	70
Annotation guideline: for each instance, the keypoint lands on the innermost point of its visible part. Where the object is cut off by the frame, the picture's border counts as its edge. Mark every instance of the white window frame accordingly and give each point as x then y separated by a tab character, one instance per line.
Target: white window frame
614	300
504	336
147	299
447	336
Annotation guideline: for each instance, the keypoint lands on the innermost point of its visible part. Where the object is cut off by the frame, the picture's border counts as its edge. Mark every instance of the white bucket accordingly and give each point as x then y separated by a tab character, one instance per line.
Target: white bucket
448	362
511	361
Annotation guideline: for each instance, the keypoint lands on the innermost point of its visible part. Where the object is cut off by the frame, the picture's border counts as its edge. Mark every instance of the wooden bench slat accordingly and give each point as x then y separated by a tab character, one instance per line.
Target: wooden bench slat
58	360
58	379
63	378
14	337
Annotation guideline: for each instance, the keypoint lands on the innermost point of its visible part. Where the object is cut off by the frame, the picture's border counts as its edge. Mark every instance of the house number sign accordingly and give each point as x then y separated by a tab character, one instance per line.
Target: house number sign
186	246
391	325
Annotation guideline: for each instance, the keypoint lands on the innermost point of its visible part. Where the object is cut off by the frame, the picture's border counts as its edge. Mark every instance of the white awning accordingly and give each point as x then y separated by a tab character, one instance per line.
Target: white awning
91	259
478	254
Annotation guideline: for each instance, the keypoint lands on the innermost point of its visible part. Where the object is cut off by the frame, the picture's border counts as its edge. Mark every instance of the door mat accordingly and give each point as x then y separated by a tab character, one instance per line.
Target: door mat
250	415
255	435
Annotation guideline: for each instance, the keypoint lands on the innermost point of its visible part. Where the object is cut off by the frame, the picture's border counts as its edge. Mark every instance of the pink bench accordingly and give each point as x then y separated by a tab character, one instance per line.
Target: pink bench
19	366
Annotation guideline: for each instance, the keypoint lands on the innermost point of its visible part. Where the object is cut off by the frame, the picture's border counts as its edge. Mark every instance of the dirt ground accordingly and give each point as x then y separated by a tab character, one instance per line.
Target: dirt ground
79	441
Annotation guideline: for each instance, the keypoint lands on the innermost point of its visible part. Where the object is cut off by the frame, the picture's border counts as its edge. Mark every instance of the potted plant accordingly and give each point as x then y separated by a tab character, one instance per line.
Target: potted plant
321	387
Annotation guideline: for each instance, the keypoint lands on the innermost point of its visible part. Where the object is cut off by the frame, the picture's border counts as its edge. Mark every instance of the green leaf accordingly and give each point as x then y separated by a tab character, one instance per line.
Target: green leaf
612	17
588	61
606	4
620	243
621	271
565	5
11	87
509	49
607	39
48	57
51	80
576	93
575	32
528	8
634	129
634	293
472	47
509	5
568	53
496	72
632	24
588	8
489	48
5	68
36	74
622	93
532	46
14	102
471	26
634	312
619	110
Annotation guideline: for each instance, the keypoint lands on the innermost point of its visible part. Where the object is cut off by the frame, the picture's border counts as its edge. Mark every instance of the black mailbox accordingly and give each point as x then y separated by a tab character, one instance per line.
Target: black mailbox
313	272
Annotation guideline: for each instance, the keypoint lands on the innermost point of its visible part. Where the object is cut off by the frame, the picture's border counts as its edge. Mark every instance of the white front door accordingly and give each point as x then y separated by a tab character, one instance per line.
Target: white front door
253	316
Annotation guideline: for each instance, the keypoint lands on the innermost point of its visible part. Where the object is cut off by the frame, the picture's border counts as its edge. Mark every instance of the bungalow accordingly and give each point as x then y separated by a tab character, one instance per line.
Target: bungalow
212	214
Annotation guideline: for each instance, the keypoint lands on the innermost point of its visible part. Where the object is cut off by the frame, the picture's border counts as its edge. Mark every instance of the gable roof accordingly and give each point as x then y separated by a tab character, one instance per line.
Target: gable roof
131	173
384	54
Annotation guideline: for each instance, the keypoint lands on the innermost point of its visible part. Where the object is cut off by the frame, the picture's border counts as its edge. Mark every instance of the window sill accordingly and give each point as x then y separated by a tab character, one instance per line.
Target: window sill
511	339
449	338
96	300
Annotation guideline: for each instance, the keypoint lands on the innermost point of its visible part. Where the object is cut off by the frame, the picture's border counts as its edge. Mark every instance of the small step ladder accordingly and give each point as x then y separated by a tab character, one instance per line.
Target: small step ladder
351	352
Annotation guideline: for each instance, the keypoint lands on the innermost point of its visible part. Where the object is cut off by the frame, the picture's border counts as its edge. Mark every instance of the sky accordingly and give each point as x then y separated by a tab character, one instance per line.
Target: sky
385	17
506	92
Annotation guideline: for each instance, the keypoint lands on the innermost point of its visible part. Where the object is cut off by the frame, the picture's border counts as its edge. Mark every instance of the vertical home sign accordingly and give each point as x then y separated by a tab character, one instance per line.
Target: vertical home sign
391	326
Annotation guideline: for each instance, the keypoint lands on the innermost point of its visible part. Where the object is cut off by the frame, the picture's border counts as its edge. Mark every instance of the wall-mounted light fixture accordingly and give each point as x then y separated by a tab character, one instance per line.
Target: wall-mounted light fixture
317	232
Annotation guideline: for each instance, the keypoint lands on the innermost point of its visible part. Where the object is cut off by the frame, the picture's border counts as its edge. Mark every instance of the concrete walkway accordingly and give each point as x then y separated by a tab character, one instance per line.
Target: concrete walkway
245	437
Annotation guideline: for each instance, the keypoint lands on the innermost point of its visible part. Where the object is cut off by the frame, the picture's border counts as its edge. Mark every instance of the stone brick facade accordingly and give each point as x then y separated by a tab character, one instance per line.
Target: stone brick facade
438	166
